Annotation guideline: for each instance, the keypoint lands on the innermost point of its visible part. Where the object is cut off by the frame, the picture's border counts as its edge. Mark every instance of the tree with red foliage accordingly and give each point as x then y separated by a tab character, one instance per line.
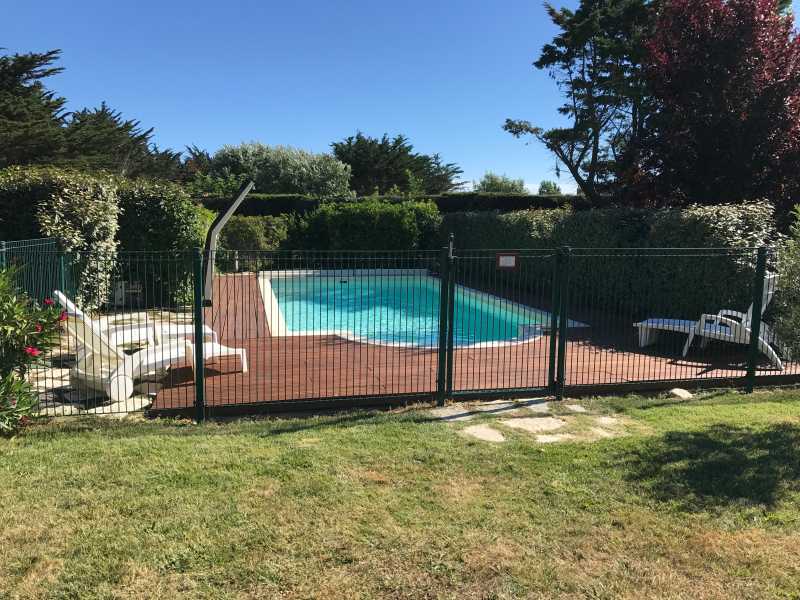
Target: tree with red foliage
725	75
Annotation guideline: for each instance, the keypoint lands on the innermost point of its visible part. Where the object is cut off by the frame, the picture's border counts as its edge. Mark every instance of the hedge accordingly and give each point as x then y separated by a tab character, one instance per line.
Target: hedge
79	210
368	225
277	204
259	205
786	307
159	216
254	233
668	284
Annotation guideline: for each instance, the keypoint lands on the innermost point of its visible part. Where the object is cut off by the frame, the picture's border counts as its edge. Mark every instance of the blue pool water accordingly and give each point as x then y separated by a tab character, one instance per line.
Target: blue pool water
401	310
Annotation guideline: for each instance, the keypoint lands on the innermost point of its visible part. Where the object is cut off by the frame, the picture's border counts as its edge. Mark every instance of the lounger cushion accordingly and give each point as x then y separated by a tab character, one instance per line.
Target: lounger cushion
680	325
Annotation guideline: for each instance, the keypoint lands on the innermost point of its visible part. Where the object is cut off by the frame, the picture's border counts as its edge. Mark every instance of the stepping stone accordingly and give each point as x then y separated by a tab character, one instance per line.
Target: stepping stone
451	413
484	433
601	433
576	408
554	437
607	421
681	394
536	406
534	424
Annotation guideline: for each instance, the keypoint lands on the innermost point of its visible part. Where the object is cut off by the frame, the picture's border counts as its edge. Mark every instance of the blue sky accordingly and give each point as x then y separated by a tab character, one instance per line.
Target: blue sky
306	73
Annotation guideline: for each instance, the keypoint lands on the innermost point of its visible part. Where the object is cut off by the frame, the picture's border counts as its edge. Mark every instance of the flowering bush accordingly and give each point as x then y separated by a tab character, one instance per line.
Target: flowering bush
27	332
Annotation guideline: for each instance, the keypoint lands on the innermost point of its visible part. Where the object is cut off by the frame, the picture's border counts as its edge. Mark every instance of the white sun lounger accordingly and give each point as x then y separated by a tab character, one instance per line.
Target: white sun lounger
727	326
137	333
102	365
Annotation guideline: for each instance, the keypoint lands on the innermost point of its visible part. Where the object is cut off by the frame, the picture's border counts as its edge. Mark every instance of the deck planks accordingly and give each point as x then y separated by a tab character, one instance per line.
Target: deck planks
327	367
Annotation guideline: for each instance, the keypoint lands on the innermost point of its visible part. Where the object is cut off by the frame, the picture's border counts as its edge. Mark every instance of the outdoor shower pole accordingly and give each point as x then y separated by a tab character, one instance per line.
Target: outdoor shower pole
213	234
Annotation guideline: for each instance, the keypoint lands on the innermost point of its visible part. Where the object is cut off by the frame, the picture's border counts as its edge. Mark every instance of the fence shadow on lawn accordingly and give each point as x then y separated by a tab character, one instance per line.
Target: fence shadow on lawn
719	466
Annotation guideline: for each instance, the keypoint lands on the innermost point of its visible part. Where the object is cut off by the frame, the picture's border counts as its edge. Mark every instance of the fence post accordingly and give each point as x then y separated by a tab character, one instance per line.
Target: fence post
451	304
62	274
554	311
444	277
755	323
561	376
199	364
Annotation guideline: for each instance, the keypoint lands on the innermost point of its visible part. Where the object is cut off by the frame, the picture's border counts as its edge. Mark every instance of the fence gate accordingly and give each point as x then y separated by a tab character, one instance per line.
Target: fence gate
503	320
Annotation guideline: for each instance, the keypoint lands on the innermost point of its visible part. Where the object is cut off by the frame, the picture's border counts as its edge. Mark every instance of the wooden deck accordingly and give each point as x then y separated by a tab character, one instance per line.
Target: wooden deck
328	367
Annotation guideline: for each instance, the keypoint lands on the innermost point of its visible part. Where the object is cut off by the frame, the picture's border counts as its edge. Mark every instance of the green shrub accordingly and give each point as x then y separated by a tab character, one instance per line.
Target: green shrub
368	225
283	170
79	210
245	242
253	233
786	305
27	332
159	216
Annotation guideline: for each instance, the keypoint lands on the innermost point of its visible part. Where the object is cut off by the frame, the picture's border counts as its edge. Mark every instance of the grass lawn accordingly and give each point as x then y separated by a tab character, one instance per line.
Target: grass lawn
698	499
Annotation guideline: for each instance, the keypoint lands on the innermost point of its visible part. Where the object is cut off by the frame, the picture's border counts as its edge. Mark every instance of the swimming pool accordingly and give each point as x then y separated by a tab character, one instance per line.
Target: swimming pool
390	308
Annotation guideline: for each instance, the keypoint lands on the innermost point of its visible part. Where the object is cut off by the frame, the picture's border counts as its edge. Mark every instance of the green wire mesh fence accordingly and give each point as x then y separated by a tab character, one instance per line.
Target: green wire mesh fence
285	330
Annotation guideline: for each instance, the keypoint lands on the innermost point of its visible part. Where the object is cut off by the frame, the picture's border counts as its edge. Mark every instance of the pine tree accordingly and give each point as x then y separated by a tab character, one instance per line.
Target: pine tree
31	117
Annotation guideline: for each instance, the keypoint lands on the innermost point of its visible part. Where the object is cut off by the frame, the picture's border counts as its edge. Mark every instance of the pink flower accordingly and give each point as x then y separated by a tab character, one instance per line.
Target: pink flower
62	316
32	351
48	302
38	328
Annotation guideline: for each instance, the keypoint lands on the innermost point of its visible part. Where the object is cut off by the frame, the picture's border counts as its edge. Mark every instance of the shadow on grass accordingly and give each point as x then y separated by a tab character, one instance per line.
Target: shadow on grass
719	466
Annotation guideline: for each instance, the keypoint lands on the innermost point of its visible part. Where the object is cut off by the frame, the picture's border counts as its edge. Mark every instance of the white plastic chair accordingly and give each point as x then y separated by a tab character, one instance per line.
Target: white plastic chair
101	364
148	333
727	326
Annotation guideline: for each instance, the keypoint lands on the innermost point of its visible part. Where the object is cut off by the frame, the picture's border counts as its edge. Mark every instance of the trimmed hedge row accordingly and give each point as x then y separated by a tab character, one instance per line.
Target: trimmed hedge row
371	225
672	284
347	226
278	204
262	205
786	306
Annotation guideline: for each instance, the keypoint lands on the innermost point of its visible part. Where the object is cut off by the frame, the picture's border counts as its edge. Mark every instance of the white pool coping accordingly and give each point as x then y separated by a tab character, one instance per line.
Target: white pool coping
278	328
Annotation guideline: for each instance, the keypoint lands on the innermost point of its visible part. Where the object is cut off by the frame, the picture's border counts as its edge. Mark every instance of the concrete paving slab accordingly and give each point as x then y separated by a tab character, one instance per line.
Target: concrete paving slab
535	424
451	413
484	433
552	438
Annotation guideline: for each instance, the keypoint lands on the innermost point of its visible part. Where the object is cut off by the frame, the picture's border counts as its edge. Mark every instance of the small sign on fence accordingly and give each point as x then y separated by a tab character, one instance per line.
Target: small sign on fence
507	260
